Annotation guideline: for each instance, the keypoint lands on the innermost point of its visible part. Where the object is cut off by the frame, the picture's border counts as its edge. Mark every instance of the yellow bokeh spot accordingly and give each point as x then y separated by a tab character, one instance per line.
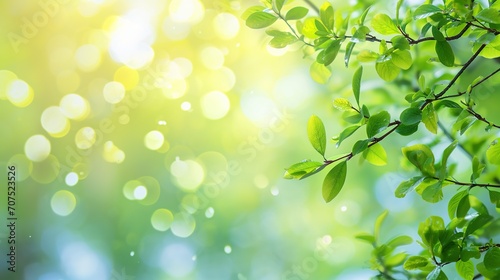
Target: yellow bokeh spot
226	25
55	122
112	153
74	106
6	78
189	174
174	88
154	140
215	105
113	92
183	225
20	93
88	57
85	138
212	58
186	10
37	148
162	219
126	76
63	203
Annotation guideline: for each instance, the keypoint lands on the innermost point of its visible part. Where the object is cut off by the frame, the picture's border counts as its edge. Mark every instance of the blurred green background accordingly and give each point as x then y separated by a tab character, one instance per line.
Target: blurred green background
150	138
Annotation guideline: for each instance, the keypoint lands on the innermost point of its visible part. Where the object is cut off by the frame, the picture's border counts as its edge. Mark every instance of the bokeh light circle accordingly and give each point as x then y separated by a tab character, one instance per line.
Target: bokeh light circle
188	174
212	58
162	219
6	78
154	140
215	105
226	25
113	92
63	203
20	93
183	225
74	106
88	57
85	137
55	122
37	148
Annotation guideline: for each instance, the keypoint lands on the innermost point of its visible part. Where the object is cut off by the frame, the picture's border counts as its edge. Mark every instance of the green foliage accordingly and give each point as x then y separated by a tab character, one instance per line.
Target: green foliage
409	50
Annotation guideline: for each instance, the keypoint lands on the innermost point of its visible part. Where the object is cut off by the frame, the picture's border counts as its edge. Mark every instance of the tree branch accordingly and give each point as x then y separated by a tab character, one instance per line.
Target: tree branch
312	6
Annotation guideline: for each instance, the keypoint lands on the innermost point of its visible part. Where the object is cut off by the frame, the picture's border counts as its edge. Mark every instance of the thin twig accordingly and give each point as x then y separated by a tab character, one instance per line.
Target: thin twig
311	4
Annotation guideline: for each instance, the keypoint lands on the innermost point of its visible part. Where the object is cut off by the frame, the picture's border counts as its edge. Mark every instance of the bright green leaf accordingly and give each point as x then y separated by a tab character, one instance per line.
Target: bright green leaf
278	5
433	193
309	28
489	15
405	186
326	14
378	223
411	116
366	237
281	39
302	169
407	130
402	59
342	104
400	241
477	223
430	118
334	181
320	73
377	123
376	155
437	274
328	55
453	203
493	152
444	159
492	259
495	198
465	269
346	133
400	42
445	53
360	146
421	157
296	13
469	253
356	83
387	70
415	262
384	25
348	52
260	20
316	133
463	206
367	56
425	11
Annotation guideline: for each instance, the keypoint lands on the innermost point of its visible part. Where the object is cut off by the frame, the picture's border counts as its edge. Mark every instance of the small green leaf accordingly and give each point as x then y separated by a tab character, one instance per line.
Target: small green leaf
407	130
421	157
469	253
463	206
281	39
489	15
400	42
378	223
360	146
454	201
402	59
477	223
328	55
405	186
426	10
430	118
415	262
465	269
348	52
445	53
437	274
278	5
356	83
384	25
400	241
309	28
303	169
411	116
438	36
367	56
342	104
493	152
362	18
326	14
320	73
387	70
259	20
346	133
316	133
334	181
377	123
365	112
296	13
492	259
495	198
433	193
366	237
444	159
376	155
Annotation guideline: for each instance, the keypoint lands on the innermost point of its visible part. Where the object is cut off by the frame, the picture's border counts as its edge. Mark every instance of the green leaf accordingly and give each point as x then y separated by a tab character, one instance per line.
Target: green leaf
493	152
259	20
320	73
444	159
453	203
415	262
348	52
430	118
445	53
281	39
366	237
342	104
303	169
367	56
326	14
328	55
400	42
346	133
278	5
477	223
384	25
426	10
450	253
489	15
492	259
438	36
334	181
387	70
378	223
360	146
405	186
296	13
395	260
316	133
469	253
421	157
437	274
495	198
360	34
465	269
463	206
411	116
356	83
376	155
309	28
477	205
400	241
362	18
433	193
406	130
365	112
402	59
377	123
